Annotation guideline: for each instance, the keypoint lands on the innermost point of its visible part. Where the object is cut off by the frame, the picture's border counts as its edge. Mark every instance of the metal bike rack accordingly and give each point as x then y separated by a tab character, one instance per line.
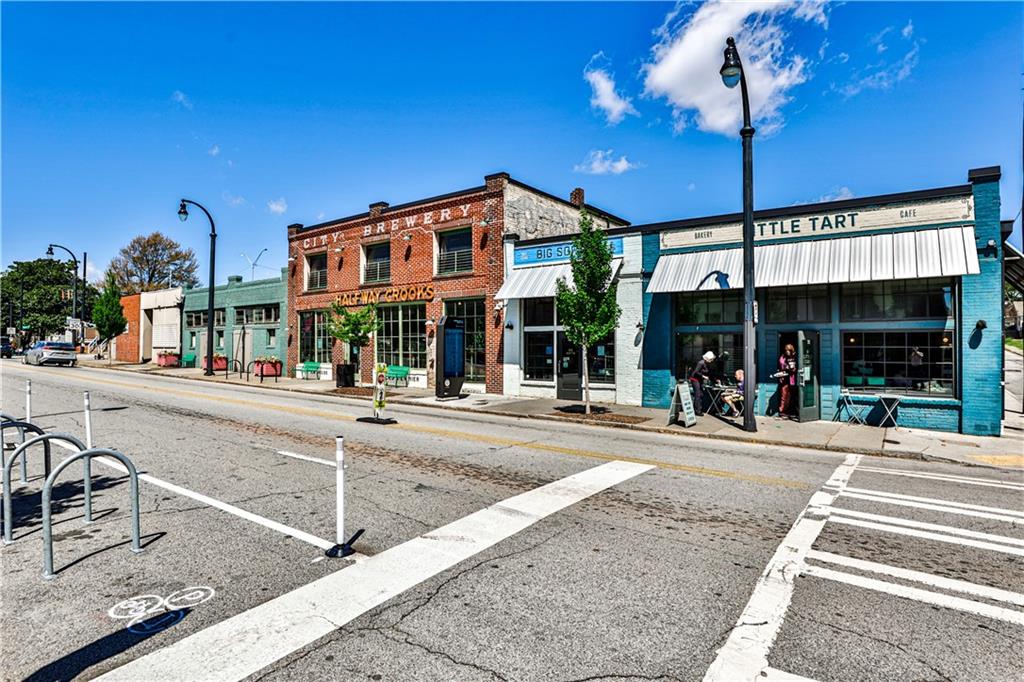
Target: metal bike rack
251	369
87	455
22	428
20	452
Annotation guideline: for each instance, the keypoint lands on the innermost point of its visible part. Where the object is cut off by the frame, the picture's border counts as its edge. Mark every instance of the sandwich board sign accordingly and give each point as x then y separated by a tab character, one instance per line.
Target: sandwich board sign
379	389
682	401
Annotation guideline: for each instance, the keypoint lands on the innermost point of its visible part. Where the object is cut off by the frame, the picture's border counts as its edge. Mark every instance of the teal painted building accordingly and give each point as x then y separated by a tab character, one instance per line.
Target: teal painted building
250	319
897	295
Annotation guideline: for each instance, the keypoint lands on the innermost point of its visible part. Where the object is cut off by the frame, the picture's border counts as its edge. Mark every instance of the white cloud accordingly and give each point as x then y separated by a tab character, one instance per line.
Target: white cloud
685	62
181	99
603	94
214	150
878	39
692	186
321	215
602	162
232	200
837	194
882	75
908	30
277	206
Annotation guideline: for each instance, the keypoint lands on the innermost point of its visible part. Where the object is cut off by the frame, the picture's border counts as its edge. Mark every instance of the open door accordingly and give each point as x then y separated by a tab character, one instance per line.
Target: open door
568	382
807	363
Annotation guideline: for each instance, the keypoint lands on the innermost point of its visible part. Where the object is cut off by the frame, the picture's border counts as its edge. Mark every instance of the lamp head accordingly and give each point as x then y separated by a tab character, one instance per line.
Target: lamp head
182	211
49	250
732	69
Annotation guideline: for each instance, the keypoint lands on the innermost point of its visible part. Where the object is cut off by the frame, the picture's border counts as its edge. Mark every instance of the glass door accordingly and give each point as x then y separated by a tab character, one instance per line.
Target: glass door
808	385
568	383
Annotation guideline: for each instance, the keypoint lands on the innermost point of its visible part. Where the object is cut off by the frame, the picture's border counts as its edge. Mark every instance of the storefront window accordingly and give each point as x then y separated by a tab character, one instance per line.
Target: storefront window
799	304
898	299
472	313
540	356
601	363
402	339
728	350
900	362
541	330
710	307
314	341
538	312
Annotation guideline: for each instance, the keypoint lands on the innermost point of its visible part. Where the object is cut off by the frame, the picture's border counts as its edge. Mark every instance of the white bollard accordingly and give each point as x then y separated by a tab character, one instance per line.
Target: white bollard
28	400
340	480
88	422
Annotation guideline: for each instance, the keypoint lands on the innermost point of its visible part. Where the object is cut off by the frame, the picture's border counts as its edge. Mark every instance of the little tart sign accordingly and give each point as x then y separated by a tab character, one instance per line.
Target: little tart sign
831	224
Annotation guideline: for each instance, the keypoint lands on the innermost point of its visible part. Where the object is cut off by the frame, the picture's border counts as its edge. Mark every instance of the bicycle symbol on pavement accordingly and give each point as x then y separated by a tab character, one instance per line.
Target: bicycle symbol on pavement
149	613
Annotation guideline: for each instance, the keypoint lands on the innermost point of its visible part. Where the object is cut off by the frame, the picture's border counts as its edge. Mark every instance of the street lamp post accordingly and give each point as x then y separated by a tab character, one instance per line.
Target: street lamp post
74	282
732	74
183	215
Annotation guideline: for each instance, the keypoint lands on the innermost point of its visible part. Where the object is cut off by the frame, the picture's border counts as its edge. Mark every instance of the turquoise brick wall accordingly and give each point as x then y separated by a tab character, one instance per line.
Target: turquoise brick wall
658	378
236	294
981	351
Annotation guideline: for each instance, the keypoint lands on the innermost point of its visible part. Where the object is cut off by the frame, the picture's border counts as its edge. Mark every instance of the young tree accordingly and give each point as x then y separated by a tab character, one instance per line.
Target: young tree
107	313
588	309
153	262
353	327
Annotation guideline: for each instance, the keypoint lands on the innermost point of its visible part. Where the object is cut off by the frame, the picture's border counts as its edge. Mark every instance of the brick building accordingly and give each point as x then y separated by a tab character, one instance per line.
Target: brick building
126	347
419	261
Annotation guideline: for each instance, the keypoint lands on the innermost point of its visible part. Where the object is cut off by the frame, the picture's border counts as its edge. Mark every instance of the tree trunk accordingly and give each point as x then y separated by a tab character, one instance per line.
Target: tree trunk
586	378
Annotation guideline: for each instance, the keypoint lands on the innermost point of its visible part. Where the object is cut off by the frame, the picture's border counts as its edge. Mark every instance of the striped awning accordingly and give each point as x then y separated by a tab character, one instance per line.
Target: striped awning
539	281
949	252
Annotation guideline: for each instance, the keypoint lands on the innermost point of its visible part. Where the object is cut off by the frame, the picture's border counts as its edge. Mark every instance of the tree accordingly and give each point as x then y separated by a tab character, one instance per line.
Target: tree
153	262
107	313
588	310
37	294
353	327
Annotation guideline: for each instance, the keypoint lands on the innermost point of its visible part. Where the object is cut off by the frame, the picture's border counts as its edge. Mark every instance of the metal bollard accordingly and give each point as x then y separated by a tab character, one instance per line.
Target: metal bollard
88	421
87	461
339	474
28	418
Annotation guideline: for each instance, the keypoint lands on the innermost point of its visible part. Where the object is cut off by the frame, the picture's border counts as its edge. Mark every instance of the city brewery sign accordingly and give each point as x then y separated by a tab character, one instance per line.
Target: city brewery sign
415	292
830	224
425	219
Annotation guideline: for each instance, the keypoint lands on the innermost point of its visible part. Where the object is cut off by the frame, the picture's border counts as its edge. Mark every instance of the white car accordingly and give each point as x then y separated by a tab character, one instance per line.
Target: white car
50	353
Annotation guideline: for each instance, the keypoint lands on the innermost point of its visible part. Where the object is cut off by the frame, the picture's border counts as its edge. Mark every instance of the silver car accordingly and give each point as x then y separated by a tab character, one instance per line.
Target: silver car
50	353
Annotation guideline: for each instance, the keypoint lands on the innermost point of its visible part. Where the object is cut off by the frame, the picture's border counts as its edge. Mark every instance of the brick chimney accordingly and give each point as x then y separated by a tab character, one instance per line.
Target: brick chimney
496	181
576	197
377	207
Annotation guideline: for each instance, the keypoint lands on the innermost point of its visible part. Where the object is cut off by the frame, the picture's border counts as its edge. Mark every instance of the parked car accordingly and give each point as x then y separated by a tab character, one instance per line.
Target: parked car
51	352
6	349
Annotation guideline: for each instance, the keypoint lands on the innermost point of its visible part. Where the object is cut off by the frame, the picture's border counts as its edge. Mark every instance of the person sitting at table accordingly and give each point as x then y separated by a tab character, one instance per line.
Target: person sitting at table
698	377
733	397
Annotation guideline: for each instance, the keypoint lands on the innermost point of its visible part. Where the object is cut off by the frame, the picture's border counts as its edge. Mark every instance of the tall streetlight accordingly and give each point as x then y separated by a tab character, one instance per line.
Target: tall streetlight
183	215
253	264
732	74
74	295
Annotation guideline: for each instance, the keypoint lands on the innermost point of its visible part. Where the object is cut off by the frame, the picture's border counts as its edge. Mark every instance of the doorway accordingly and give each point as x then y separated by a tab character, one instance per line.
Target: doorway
568	382
806	403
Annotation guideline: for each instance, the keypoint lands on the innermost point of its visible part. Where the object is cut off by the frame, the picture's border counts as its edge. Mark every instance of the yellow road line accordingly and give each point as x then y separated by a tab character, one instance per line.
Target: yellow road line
462	435
1016	461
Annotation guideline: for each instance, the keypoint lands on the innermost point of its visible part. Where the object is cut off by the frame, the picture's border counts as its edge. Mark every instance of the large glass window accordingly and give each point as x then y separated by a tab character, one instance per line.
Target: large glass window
454	251
601	361
538	312
899	362
314	341
402	339
728	350
799	304
541	329
316	271
540	356
472	312
710	307
259	314
898	299
378	263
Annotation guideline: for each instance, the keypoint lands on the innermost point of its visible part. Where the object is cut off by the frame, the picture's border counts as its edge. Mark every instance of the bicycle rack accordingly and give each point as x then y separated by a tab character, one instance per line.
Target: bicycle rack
22	428
233	366
251	368
48	573
20	452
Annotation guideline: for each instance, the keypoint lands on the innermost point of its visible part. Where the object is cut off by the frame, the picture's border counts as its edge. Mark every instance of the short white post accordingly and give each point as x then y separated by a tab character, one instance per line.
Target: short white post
340	480
88	422
28	400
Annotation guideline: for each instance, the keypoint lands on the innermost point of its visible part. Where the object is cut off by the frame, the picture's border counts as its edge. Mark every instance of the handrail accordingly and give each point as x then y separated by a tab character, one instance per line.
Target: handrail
45	440
48	573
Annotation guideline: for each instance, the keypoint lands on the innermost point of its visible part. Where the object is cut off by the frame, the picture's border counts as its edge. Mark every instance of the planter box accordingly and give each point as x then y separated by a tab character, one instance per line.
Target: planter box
219	364
168	360
267	369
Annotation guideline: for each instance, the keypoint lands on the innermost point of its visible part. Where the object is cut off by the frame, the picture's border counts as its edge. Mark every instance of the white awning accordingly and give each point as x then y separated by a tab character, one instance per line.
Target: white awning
949	252
538	281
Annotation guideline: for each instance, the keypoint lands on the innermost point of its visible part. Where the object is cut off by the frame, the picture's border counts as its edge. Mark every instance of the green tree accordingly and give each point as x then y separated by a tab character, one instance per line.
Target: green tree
37	294
353	327
152	262
107	313
588	309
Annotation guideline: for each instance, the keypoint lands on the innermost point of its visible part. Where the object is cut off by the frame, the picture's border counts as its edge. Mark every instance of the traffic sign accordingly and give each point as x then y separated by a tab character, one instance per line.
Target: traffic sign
11	331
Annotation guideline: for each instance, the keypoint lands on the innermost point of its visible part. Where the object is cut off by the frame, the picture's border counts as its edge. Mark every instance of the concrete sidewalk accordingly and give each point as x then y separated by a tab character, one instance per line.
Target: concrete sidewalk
1005	452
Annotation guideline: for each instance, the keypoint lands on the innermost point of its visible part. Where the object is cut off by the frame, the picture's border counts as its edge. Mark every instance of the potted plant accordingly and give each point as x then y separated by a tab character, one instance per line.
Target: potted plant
220	362
266	366
168	358
354	327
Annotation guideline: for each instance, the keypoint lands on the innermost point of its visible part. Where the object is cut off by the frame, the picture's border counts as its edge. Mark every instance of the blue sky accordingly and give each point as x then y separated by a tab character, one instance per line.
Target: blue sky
277	113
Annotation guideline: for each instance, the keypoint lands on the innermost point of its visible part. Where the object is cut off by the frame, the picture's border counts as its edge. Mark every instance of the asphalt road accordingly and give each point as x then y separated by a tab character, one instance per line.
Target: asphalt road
494	548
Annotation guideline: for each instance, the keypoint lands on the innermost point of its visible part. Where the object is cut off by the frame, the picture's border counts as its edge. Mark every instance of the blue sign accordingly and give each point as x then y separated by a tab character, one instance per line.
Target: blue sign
455	348
554	253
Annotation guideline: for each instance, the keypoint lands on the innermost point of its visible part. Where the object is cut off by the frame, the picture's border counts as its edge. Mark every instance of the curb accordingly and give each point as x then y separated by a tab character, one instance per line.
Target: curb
1013	349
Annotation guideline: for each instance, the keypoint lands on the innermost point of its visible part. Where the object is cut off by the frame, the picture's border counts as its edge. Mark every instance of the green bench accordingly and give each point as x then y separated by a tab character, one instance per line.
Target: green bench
397	373
308	369
188	360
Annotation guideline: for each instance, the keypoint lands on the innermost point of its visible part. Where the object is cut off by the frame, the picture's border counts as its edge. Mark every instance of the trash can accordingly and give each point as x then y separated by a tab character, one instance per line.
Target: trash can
345	376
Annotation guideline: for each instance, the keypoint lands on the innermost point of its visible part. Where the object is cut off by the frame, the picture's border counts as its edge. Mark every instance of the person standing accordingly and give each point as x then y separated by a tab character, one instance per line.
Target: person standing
787	379
698	377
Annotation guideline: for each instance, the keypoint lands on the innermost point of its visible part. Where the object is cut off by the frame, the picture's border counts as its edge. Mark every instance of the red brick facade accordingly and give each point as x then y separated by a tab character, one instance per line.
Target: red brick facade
127	344
411	230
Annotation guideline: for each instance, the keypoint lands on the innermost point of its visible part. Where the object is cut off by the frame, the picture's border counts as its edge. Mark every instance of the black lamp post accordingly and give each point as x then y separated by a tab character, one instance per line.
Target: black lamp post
732	74
183	215
74	295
